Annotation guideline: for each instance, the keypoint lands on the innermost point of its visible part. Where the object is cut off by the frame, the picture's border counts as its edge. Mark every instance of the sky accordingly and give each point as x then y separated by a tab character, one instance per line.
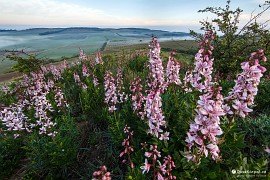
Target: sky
172	15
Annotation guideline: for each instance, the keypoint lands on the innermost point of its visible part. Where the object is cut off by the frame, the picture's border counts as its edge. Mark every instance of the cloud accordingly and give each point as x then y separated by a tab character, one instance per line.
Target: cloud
259	1
48	12
56	13
246	17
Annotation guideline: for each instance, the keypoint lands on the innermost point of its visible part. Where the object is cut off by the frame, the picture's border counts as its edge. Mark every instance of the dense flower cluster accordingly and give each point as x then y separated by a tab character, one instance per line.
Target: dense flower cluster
14	119
110	91
82	56
56	71
172	71
102	174
246	86
155	66
77	80
85	71
120	87
153	101
126	143
203	131
98	59
5	89
154	115
114	93
59	98
33	92
201	77
186	80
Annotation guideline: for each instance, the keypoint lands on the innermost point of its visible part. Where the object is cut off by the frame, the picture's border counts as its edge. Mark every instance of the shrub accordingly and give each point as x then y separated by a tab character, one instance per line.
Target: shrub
138	63
53	156
11	155
230	39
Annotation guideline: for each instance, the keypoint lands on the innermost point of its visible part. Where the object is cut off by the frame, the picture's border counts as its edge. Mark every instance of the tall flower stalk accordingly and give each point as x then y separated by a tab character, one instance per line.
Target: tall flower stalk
172	71
137	97
201	77
155	66
160	171
246	85
128	148
110	91
202	136
153	101
82	56
120	86
98	58
114	90
203	132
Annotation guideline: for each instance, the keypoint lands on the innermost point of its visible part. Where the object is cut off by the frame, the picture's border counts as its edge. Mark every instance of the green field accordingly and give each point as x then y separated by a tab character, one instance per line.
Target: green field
58	43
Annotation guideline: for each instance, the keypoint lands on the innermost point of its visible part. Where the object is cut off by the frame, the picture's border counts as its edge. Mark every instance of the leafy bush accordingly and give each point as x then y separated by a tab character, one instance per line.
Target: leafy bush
11	155
52	157
231	39
263	102
26	63
138	63
257	136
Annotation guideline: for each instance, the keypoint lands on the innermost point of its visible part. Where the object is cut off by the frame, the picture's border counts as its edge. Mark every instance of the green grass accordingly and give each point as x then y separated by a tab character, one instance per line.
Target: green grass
5	66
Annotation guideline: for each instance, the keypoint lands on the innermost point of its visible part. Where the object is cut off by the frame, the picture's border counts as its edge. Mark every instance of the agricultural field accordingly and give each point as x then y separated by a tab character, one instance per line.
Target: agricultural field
58	44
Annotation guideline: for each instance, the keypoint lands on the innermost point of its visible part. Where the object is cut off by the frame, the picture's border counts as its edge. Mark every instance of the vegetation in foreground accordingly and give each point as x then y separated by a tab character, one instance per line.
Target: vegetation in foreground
140	116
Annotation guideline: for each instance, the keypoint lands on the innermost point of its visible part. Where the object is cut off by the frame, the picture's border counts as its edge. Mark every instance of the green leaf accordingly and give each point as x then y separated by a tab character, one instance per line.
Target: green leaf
165	150
212	175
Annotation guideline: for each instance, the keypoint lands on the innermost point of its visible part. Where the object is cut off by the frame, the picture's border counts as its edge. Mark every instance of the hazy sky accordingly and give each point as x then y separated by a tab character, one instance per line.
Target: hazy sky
168	14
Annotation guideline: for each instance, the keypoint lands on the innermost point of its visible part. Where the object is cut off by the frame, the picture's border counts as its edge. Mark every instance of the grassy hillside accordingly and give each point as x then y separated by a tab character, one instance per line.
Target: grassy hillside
69	120
116	46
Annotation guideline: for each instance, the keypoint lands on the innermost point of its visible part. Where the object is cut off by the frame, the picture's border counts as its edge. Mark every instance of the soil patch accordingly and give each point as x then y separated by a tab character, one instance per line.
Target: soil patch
9	76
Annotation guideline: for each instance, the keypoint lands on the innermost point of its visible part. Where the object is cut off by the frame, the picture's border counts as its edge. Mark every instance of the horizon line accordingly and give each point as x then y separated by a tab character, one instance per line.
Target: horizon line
11	27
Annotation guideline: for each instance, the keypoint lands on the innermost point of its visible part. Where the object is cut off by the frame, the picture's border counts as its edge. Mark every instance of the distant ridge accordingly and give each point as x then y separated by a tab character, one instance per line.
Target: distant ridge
7	30
123	31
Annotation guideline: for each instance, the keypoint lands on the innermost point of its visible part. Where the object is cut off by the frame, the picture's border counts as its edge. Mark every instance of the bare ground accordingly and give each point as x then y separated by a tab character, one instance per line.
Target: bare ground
9	76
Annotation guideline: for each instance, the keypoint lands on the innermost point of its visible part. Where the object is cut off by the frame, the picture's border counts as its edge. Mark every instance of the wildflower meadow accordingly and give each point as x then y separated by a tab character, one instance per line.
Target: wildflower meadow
143	114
